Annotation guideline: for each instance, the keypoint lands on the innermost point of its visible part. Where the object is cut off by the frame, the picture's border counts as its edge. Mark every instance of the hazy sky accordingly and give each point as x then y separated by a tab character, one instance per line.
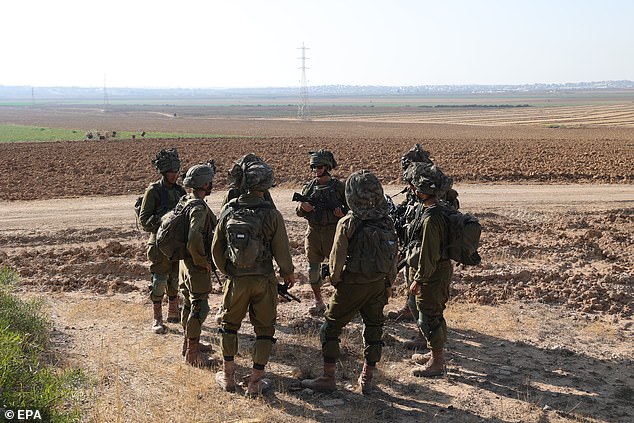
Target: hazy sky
254	43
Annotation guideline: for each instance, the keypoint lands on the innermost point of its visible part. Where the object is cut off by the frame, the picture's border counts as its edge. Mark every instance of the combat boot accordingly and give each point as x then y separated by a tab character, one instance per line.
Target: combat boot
205	347
193	356
403	314
173	313
226	377
324	383
365	379
257	384
421	358
157	325
434	367
418	344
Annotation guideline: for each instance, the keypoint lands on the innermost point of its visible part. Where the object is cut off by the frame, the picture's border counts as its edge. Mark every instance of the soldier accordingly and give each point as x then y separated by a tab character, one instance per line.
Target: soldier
159	198
236	181
433	273
323	213
363	268
409	235
250	233
195	270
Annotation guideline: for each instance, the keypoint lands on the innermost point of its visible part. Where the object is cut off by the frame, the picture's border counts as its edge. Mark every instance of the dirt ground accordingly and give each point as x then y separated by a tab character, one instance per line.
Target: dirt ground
541	331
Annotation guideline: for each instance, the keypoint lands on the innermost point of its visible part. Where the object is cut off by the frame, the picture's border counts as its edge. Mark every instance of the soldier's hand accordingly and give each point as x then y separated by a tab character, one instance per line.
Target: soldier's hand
337	212
388	292
414	289
208	266
307	207
289	280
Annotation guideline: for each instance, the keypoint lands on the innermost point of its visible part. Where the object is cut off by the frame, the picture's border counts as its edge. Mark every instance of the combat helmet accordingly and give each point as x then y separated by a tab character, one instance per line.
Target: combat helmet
167	160
364	195
198	175
415	154
235	177
258	176
322	157
427	178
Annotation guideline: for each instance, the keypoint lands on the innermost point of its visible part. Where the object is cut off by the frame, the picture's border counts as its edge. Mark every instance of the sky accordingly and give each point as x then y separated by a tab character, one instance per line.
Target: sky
255	43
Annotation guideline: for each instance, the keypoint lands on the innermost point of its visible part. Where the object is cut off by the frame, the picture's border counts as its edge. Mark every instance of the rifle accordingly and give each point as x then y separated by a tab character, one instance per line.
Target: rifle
319	204
213	268
282	290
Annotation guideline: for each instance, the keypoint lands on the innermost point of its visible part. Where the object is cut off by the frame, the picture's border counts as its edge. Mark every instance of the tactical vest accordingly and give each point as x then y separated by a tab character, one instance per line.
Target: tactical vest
327	194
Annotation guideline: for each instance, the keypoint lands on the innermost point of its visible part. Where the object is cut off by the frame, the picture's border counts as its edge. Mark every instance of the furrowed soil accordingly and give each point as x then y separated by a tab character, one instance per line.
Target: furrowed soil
541	331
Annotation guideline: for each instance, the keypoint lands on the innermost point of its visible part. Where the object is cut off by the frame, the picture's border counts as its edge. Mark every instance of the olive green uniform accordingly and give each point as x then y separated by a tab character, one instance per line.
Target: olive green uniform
254	290
355	293
195	280
158	200
321	224
434	277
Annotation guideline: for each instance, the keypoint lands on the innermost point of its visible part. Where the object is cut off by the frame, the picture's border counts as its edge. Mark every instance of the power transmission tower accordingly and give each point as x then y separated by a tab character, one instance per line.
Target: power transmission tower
303	109
105	92
33	96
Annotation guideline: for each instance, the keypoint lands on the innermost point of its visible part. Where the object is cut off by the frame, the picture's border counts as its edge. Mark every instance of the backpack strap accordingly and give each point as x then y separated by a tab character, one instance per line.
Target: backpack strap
163	195
233	205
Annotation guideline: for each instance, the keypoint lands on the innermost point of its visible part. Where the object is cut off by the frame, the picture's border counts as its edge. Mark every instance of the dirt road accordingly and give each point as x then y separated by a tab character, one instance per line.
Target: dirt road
95	212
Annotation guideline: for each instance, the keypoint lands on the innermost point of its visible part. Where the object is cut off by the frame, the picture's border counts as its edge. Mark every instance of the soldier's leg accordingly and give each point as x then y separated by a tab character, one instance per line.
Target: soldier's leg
313	244
235	302
173	315
187	304
344	305
160	267
431	303
263	313
373	320
199	284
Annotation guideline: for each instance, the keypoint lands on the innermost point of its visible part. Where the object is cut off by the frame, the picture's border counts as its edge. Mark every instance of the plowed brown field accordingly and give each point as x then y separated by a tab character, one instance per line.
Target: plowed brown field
540	331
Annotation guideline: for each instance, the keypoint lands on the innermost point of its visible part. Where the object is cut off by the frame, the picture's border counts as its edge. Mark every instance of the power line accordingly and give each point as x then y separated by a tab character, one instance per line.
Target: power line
303	109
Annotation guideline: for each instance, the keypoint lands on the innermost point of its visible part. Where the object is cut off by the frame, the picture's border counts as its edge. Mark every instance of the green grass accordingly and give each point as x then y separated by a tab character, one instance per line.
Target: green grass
25	133
12	133
26	381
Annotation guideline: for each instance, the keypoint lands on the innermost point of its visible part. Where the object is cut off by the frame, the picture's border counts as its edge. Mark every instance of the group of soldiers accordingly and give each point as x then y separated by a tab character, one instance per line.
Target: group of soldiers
352	225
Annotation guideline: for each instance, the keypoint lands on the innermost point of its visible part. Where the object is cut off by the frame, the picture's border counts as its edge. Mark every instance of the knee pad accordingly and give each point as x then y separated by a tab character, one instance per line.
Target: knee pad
159	279
323	334
199	310
428	324
313	273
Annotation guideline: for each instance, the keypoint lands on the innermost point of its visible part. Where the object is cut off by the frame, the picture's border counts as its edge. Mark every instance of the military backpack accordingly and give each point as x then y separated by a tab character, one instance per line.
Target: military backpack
248	252
462	238
171	237
373	247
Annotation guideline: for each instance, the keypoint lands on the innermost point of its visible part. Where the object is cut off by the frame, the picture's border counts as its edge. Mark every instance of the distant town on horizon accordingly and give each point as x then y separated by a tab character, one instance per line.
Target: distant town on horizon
52	93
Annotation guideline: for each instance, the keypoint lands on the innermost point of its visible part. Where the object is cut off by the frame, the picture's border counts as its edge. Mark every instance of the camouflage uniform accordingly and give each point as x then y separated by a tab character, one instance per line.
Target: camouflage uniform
356	291
321	224
434	270
158	200
194	277
433	275
254	291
